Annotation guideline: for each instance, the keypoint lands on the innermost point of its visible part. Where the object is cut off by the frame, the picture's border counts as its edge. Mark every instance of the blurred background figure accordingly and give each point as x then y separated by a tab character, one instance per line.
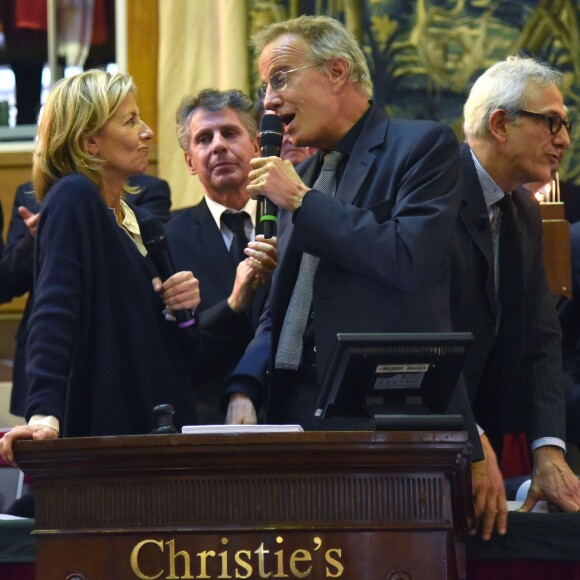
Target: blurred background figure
295	154
85	38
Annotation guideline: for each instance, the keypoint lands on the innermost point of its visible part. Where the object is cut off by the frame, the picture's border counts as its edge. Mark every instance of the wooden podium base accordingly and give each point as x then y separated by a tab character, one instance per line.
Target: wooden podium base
350	505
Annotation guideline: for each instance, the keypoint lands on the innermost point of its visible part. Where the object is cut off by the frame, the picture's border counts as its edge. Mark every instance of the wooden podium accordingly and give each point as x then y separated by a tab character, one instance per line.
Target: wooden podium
316	505
556	234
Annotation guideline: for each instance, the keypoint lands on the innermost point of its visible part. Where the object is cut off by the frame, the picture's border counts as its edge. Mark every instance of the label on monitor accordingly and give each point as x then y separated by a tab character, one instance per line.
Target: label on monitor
399	376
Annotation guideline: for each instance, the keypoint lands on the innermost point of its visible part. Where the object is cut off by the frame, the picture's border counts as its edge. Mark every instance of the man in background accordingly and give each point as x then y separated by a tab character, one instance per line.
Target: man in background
295	155
516	132
216	238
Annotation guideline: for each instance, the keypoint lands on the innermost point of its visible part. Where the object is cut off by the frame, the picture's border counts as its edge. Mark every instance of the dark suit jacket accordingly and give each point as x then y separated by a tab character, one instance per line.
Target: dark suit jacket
569	314
196	244
505	399
570	195
384	245
16	264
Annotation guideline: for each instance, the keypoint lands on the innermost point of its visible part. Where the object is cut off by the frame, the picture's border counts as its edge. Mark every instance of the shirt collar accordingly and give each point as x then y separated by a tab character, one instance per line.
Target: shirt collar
347	143
131	225
216	209
492	192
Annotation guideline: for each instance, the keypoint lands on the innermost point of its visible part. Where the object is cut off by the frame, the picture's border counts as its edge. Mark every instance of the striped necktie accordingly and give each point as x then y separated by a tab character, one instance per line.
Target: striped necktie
289	353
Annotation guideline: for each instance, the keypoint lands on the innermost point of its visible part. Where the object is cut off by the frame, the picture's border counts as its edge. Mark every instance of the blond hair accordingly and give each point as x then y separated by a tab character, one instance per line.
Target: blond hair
77	107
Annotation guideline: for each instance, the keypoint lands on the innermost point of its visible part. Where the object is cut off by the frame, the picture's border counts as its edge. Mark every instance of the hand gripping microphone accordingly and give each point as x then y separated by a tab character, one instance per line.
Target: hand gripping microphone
155	241
271	133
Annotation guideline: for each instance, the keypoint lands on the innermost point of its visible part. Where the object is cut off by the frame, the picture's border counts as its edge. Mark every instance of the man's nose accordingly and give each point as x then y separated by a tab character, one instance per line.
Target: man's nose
219	142
272	99
564	136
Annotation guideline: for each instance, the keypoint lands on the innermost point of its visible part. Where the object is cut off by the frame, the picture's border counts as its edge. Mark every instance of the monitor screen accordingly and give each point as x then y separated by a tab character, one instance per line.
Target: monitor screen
390	375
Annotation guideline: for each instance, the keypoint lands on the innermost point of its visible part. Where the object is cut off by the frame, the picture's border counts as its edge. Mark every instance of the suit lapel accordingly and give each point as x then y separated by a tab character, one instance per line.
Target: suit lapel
310	165
473	214
209	239
362	159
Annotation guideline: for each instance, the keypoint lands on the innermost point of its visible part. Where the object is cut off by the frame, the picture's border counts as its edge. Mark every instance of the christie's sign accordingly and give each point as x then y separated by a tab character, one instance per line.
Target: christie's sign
157	559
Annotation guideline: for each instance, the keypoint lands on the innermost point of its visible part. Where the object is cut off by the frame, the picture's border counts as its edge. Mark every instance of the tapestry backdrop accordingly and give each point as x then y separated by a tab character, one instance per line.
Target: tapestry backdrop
424	55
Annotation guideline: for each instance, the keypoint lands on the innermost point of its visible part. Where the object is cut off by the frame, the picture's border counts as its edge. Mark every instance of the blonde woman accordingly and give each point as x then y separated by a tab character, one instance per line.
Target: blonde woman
101	354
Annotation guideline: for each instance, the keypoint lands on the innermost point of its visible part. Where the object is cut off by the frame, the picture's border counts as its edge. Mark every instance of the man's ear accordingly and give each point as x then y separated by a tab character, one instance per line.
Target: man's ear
256	143
189	162
499	122
338	71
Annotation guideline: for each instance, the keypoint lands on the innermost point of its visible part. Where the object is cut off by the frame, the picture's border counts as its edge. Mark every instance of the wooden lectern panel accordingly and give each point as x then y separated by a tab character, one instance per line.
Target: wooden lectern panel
557	259
372	506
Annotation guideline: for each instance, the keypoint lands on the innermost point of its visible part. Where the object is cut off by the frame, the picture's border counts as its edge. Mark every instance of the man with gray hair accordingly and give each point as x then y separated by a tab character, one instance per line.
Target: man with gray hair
218	134
365	227
516	132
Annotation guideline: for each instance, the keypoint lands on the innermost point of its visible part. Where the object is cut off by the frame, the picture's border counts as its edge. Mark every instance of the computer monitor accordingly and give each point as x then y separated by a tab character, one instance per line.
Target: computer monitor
403	380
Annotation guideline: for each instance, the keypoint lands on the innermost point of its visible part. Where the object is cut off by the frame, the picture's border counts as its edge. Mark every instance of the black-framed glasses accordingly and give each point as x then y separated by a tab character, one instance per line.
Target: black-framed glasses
555	122
279	81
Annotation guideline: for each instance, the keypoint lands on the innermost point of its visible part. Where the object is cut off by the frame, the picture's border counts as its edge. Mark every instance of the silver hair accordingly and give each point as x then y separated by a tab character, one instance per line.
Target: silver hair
214	100
504	86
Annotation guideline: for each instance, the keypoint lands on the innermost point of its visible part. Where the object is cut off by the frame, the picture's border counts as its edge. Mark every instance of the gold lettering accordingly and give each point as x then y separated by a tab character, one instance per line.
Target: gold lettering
280	573
224	556
135	560
300	556
261	562
187	564
203	556
338	570
245	565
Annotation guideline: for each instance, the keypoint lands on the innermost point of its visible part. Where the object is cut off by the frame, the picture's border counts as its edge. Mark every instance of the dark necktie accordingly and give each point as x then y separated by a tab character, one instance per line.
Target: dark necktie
509	261
236	223
289	352
495	224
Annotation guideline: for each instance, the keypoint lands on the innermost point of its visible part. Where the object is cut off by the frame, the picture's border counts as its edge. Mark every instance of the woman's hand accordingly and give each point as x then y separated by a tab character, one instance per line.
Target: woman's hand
180	291
37	432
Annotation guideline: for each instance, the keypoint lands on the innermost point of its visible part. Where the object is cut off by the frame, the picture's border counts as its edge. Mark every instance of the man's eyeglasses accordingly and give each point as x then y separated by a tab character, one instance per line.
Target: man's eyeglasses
279	81
555	122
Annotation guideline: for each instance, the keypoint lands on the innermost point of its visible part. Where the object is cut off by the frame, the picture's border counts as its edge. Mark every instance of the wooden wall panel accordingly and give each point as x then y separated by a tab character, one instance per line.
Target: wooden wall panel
142	45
